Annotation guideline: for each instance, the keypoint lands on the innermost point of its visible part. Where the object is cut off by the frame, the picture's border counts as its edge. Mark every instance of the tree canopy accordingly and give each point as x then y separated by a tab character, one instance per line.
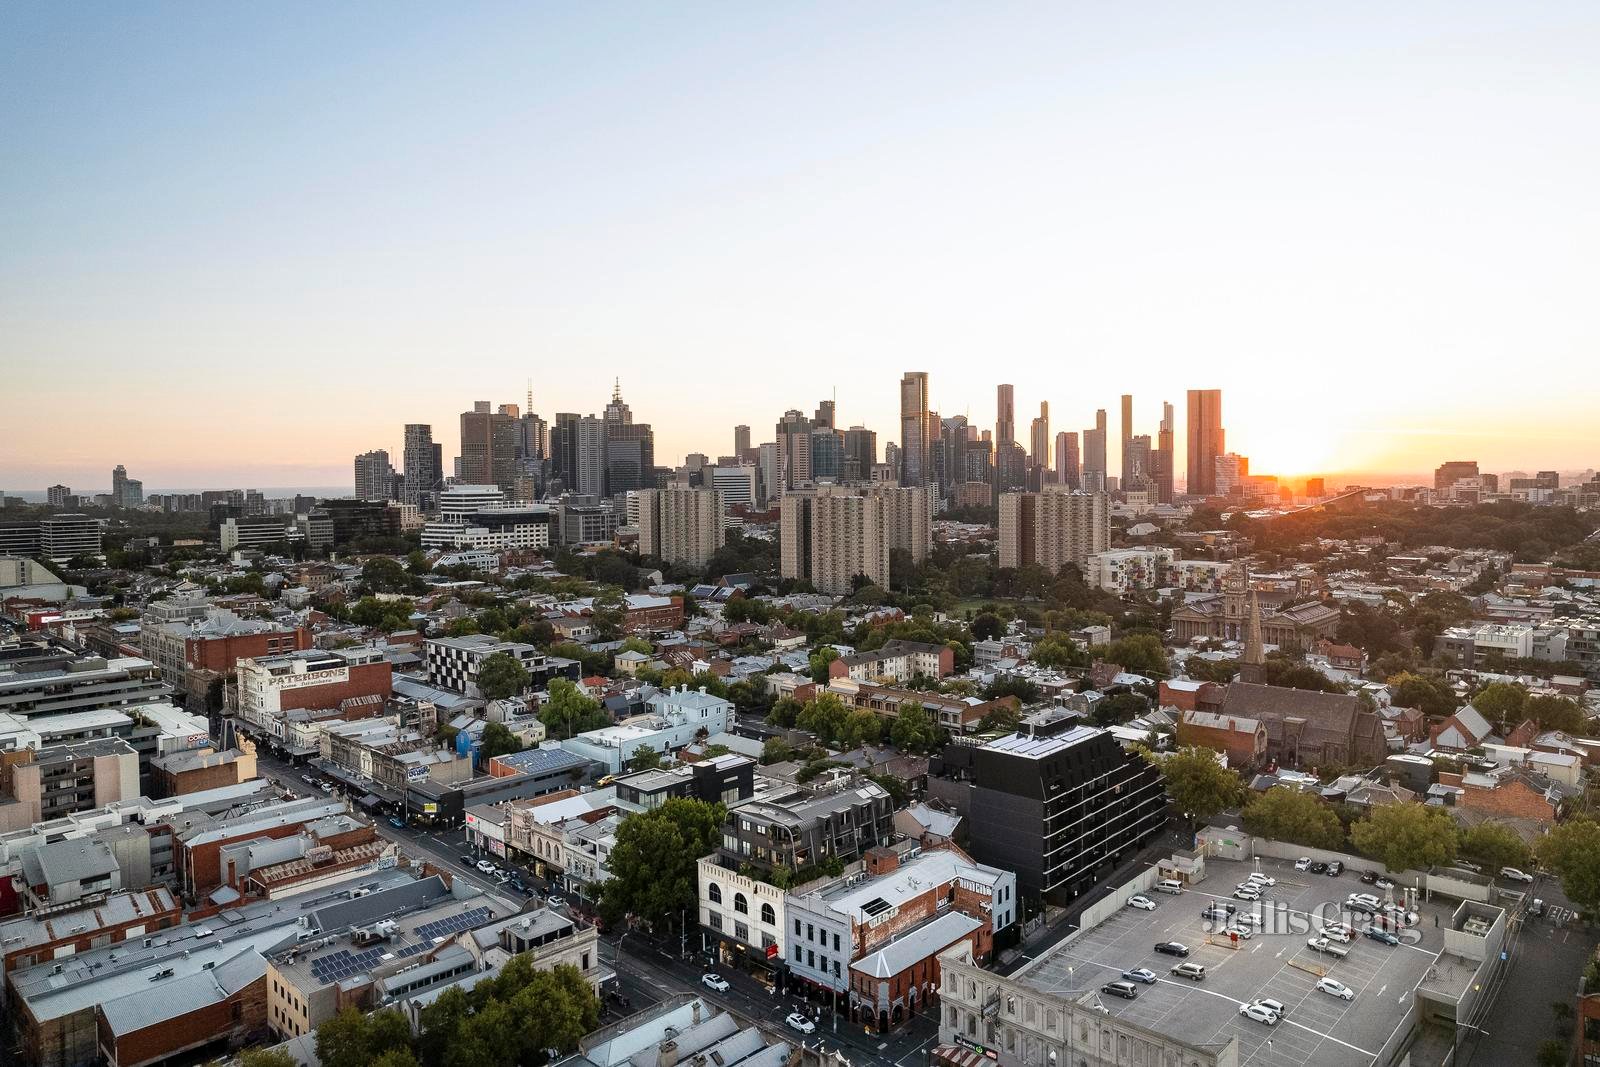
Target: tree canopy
653	864
1284	814
1197	784
1406	837
914	729
501	676
1572	851
570	711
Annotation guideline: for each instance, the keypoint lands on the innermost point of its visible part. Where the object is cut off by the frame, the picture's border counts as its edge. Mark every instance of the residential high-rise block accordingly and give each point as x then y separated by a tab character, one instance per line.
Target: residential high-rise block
126	492
680	525
1206	440
914	466
374	475
1229	473
1053	527
57	495
831	535
1005	415
1067	459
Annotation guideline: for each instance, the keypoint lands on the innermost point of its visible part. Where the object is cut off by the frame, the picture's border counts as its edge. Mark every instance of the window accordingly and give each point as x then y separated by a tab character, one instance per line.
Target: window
740	904
799	953
836	968
836	942
769	916
716	920
810	932
741	931
797	928
811	959
714	893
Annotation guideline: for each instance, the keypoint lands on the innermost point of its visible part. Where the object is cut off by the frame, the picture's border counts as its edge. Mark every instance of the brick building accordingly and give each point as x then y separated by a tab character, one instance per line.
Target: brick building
1187	695
34	939
1309	729
225	1004
1511	792
197	854
199	769
271	685
1242	740
896	661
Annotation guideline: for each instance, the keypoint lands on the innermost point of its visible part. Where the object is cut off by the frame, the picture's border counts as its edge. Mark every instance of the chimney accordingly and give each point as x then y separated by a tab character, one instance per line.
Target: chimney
697	1012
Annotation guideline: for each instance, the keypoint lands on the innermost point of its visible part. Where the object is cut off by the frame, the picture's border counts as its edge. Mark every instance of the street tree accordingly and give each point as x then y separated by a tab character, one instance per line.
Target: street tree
570	711
653	863
644	758
914	730
497	740
1405	837
1572	851
501	676
1197	784
1284	814
1502	703
1495	845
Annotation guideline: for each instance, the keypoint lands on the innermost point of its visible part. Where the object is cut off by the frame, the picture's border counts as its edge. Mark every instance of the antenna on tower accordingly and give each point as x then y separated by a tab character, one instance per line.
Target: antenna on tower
616	390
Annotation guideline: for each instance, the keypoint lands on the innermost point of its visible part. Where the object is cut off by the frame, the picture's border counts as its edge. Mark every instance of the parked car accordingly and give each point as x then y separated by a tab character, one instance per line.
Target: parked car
1218	912
1172	948
1515	875
1369	877
1319	868
1246	894
1380	935
1244	933
1142	902
1469	865
1192	971
1264	879
1383	883
485	867
397	822
466	861
1303	863
1247	918
1276	1007
796	1021
1336	932
1336	988
1326	947
1125	990
714	981
1336	868
1259	1014
1142	974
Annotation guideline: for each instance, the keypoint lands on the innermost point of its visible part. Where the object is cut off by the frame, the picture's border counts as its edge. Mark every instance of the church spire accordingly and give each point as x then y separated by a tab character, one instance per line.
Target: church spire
1250	666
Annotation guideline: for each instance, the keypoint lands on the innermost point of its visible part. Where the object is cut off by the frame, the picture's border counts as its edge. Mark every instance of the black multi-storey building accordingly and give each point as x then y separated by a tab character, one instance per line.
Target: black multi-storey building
1059	803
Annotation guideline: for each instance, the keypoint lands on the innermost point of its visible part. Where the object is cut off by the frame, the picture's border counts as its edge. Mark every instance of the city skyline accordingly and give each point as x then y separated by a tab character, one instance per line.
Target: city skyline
278	253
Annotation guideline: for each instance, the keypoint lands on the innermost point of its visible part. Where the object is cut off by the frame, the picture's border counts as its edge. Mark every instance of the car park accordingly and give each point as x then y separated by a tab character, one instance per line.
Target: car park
796	1021
1142	902
1378	934
1125	990
1303	863
1259	1014
1515	875
714	981
1336	988
1172	948
1192	971
1142	974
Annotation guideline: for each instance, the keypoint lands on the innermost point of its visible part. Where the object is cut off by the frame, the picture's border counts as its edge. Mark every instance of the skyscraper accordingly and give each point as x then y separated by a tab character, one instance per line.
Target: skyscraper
564	450
489	445
794	451
741	441
421	458
680	524
860	453
914	466
1005	417
1206	440
1067	459
1128	474
1052	528
126	492
1039	438
591	470
630	448
374	475
617	412
953	435
1163	460
824	416
1094	454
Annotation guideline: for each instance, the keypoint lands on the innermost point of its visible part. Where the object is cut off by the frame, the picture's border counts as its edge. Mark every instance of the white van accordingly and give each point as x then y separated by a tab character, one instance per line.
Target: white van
1169	885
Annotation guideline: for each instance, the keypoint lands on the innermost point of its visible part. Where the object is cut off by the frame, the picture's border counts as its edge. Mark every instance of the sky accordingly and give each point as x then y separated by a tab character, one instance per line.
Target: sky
240	243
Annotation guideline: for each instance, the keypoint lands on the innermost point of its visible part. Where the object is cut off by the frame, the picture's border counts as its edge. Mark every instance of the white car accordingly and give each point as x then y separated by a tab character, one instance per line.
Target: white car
1334	932
1337	989
1383	883
1246	894
1244	932
1515	875
714	981
485	867
1143	903
1247	918
1303	863
1259	1013
799	1022
1264	879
